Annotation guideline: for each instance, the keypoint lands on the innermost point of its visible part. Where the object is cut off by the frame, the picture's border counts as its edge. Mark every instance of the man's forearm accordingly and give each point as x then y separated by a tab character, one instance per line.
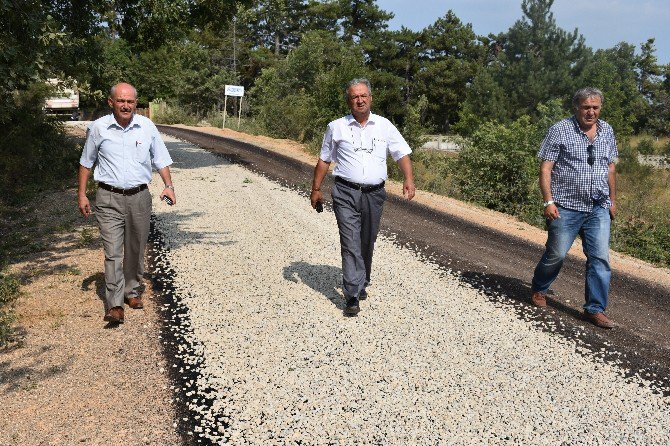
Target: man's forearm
405	165
165	175
320	171
545	180
611	182
84	173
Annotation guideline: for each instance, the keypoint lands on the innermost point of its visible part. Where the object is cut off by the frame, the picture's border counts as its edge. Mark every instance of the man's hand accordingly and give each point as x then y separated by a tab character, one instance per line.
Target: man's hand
408	189
315	197
551	212
613	210
84	205
167	192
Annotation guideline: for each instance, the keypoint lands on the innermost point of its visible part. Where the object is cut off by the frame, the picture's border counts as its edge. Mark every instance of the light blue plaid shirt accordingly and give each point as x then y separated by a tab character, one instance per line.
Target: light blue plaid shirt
575	184
124	157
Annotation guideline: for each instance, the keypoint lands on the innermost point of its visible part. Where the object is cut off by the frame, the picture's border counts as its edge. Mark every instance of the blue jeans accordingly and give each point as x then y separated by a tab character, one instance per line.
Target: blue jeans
594	229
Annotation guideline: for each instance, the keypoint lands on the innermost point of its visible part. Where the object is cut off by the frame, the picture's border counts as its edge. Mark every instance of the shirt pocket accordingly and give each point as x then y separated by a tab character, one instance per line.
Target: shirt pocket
141	152
380	147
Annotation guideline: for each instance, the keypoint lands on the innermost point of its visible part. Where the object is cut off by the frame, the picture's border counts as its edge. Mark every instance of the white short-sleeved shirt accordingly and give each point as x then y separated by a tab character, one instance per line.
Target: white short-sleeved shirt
360	151
124	157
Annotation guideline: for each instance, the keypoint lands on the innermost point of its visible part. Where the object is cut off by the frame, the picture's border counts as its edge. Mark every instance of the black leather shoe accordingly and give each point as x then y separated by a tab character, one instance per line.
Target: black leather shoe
352	307
363	295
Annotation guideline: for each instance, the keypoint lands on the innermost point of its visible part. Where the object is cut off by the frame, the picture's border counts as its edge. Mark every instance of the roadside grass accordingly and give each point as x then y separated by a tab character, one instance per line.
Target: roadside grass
642	226
38	158
650	145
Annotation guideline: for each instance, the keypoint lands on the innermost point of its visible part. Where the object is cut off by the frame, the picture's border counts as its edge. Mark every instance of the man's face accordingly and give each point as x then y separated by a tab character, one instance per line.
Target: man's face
588	112
123	103
359	100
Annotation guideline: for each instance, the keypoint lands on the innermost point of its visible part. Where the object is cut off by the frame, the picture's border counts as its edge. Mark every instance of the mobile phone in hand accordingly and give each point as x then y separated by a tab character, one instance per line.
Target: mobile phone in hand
319	206
167	200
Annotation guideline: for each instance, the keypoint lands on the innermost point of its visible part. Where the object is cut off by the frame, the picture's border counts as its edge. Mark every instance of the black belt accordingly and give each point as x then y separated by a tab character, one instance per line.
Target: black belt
118	190
360	187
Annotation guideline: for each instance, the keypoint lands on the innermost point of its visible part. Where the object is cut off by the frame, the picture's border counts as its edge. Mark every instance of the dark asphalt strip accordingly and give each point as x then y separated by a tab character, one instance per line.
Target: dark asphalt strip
501	266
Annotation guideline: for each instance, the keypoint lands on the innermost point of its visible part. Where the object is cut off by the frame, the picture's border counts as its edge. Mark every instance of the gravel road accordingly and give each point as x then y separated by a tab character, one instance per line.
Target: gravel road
268	358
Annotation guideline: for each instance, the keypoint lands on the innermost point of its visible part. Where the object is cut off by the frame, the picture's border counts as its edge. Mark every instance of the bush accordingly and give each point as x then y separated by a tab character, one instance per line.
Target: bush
645	238
646	146
9	291
499	169
172	114
35	153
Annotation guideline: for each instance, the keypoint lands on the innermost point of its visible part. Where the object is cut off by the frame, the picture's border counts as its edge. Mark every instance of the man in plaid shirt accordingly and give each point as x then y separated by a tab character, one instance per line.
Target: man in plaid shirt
577	180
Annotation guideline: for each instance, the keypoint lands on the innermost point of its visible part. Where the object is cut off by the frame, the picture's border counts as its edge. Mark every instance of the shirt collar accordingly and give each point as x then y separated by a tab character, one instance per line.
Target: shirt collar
579	130
111	122
351	120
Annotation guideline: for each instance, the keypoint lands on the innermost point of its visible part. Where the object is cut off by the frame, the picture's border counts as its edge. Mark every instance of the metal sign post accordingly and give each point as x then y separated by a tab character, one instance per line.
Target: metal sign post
233	90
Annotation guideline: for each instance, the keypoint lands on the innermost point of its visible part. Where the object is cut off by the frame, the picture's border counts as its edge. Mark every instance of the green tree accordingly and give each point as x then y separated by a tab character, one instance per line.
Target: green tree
362	20
613	72
452	56
394	62
299	95
533	62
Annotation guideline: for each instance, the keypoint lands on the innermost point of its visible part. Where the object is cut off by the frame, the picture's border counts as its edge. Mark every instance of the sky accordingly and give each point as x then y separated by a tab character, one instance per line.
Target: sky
603	23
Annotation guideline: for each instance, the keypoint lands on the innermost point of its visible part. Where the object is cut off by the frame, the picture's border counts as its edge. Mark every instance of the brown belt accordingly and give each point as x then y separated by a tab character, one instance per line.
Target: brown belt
360	187
118	190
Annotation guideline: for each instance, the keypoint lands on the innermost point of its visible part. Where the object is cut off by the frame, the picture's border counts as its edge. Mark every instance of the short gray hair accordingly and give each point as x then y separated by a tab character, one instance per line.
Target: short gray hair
585	93
357	81
112	91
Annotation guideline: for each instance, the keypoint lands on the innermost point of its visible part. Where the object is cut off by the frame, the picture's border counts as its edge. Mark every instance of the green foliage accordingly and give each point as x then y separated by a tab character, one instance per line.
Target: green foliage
533	62
613	72
646	238
300	95
451	57
499	169
174	114
642	226
9	292
34	153
413	132
646	146
434	171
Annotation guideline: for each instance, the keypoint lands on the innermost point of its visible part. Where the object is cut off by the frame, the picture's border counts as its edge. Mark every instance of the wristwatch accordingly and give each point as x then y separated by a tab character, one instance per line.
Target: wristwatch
547	203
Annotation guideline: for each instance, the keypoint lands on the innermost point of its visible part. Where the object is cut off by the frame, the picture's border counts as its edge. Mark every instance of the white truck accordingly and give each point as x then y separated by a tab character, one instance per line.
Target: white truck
65	102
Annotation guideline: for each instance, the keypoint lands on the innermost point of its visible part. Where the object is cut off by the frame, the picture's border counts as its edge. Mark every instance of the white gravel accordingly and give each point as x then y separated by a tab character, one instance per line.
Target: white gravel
429	360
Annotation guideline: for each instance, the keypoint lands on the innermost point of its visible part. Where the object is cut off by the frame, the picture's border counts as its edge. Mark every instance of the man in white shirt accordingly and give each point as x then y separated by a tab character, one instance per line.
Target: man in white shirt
359	144
123	147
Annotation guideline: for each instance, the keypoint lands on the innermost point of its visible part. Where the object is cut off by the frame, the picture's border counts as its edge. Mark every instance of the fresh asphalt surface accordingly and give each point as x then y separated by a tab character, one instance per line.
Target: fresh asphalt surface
499	264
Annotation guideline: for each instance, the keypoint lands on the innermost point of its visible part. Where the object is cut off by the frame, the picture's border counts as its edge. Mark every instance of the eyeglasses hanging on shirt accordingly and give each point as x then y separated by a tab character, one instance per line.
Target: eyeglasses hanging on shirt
368	150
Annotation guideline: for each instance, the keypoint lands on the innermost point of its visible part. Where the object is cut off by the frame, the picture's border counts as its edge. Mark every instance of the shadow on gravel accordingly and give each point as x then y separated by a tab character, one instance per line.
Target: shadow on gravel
29	375
99	280
196	157
185	236
324	279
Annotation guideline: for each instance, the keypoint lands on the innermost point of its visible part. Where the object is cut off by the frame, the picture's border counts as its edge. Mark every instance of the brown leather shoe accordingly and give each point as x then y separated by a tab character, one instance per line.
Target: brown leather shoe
599	320
539	299
114	315
135	302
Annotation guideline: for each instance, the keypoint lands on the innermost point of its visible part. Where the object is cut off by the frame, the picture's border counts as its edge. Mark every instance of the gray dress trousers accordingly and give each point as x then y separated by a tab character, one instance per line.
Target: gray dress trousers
358	215
124	228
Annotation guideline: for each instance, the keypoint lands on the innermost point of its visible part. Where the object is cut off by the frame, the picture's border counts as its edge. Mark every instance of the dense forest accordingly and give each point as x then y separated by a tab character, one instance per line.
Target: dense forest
498	92
294	56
